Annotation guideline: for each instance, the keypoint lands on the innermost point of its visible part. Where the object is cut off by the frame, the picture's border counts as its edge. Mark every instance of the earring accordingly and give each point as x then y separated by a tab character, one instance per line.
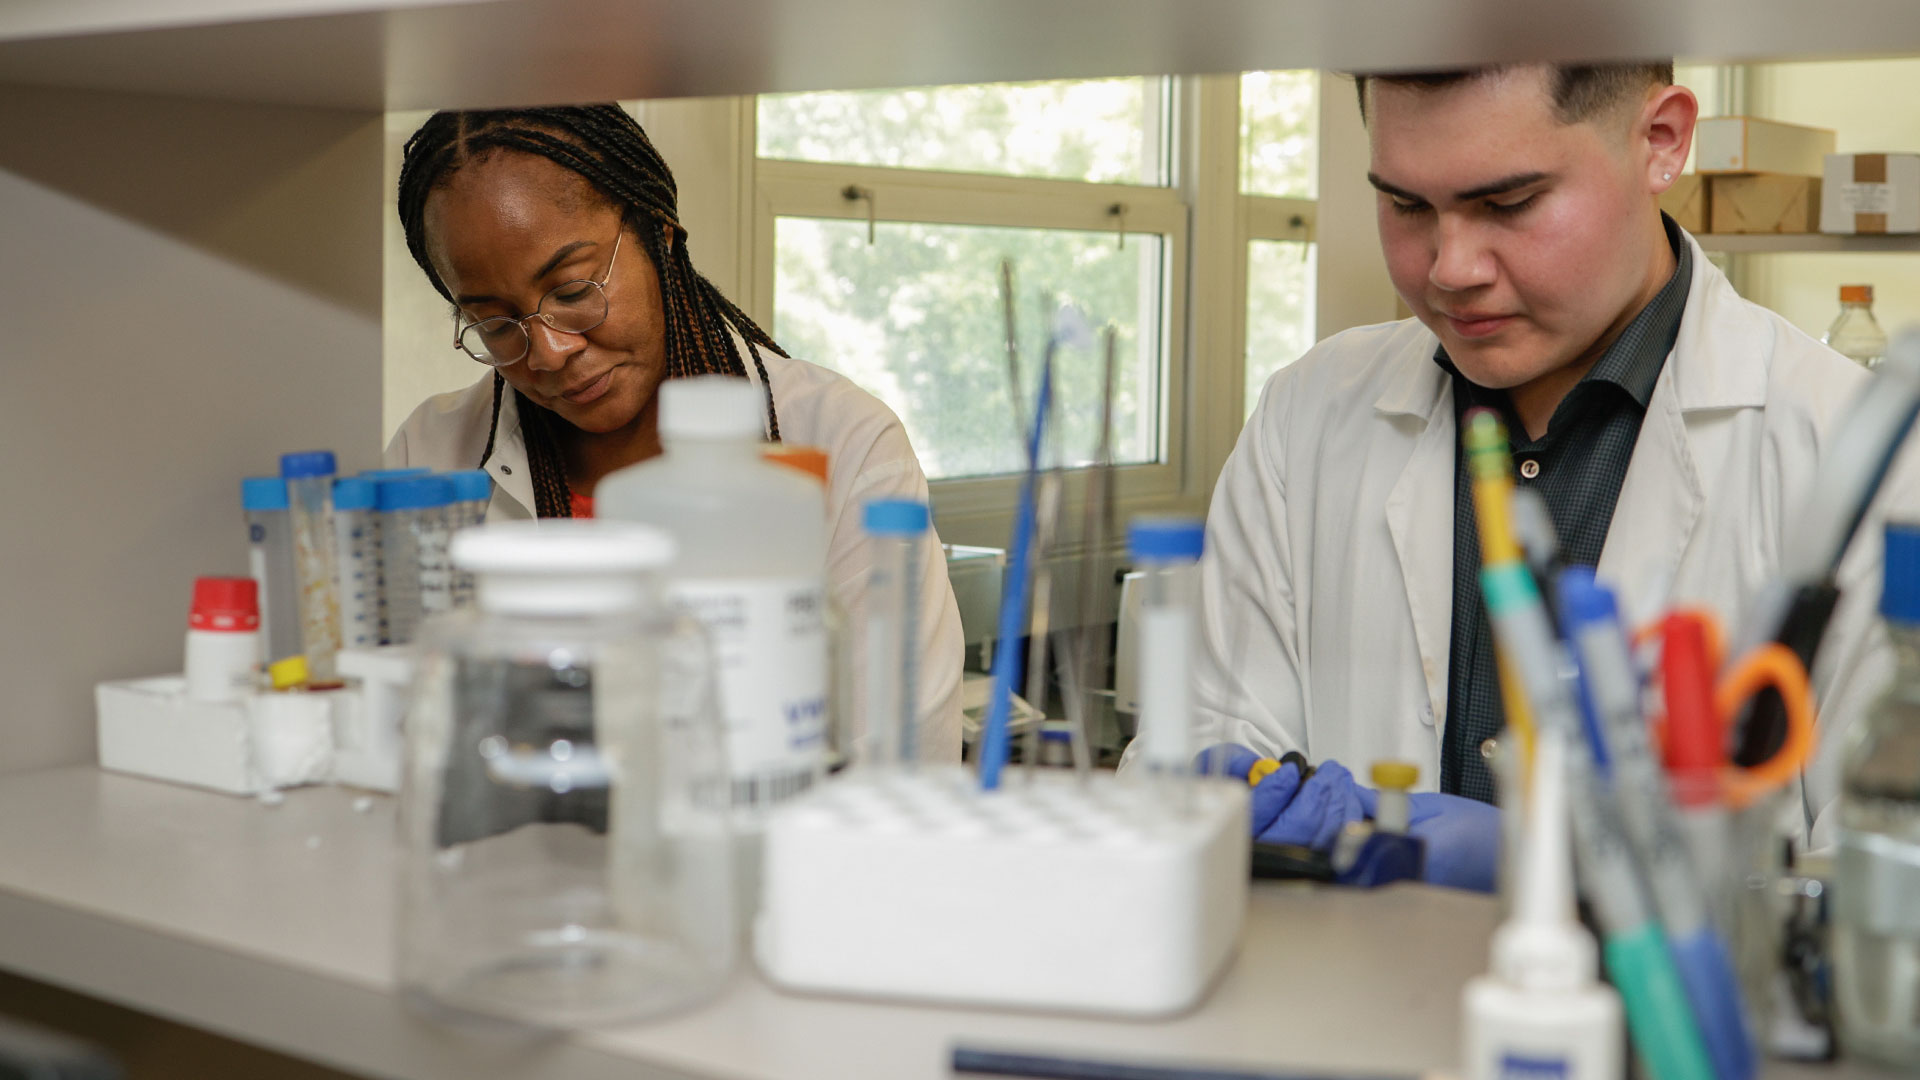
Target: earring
1666	176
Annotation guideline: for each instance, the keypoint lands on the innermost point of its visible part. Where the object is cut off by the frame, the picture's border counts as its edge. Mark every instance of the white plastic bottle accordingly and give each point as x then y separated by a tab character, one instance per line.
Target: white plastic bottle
1542	1011
223	638
1856	334
751	567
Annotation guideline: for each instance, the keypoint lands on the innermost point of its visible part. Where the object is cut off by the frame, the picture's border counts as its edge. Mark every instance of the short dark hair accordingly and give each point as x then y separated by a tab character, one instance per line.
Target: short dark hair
1580	91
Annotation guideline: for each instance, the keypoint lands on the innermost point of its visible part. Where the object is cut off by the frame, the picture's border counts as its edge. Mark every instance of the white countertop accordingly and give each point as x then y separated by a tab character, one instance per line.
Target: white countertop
271	924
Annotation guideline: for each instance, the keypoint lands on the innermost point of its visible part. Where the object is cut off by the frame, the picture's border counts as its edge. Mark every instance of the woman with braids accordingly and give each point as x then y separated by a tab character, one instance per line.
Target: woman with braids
554	234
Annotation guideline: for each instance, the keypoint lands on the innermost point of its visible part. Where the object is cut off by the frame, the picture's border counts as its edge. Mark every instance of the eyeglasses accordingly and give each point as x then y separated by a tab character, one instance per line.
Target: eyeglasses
571	307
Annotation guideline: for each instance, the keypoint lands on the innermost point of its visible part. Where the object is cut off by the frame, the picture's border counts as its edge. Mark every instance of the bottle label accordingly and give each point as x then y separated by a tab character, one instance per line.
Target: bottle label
770	650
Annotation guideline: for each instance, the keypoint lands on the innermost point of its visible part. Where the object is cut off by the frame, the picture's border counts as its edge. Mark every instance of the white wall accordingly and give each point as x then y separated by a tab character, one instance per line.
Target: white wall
1871	106
1353	288
701	141
189	290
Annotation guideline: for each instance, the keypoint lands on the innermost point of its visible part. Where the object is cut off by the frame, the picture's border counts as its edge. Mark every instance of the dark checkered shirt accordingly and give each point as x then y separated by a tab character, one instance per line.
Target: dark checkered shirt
1577	468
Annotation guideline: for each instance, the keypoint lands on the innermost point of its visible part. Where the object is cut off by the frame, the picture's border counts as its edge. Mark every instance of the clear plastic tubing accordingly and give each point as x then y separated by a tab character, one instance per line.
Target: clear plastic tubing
309	477
356	557
413	552
896	531
270	562
1166	551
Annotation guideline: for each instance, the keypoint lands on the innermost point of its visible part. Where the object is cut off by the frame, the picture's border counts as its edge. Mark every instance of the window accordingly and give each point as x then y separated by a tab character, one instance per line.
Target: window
1278	180
888	214
1180	211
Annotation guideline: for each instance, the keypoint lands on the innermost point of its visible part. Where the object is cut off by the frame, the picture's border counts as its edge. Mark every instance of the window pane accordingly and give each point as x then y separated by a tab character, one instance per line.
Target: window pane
1279	117
916	320
1107	130
1279	309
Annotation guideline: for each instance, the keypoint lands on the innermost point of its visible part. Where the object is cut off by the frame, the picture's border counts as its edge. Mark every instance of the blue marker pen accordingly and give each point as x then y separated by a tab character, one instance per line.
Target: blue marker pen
1611	686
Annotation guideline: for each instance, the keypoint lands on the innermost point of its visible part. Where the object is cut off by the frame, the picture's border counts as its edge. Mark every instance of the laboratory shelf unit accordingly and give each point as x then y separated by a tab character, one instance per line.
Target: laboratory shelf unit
273	924
1786	243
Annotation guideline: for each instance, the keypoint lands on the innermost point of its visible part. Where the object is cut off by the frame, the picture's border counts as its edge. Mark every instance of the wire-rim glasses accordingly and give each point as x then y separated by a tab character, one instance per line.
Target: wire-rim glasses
571	307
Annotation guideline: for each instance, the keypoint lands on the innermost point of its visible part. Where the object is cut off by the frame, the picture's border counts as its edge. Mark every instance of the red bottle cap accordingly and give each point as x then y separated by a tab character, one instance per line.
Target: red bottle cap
1695	743
225	603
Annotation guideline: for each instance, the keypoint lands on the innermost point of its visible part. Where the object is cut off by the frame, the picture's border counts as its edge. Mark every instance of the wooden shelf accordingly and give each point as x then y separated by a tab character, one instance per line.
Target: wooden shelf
1769	244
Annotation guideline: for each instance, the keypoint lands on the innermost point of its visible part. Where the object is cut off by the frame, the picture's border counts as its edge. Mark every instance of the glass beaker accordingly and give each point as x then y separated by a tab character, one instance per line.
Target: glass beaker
564	812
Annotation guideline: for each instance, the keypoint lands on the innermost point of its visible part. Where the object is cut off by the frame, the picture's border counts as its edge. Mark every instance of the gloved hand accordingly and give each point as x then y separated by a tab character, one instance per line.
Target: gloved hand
1285	811
1462	837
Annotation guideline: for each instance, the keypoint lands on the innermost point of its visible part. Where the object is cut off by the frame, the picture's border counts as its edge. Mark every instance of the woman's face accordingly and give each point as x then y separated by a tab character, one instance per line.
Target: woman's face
503	231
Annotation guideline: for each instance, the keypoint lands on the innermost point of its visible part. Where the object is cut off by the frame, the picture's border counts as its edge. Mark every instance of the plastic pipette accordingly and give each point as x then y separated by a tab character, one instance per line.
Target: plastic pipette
1590	614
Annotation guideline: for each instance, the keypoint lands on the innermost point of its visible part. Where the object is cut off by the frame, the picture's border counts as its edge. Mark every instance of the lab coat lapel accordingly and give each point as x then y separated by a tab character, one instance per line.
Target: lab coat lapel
1420	516
1660	499
509	461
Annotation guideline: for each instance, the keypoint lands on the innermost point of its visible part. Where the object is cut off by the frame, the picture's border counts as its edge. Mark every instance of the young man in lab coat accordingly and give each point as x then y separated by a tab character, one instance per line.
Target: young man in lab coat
1672	428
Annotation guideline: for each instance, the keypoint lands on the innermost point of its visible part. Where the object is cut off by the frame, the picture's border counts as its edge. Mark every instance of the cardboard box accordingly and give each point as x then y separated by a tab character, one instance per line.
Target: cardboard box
1765	204
1871	193
1686	202
1748	144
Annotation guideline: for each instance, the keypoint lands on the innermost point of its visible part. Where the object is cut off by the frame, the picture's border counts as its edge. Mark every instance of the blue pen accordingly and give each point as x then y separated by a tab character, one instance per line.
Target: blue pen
1014	598
1611	691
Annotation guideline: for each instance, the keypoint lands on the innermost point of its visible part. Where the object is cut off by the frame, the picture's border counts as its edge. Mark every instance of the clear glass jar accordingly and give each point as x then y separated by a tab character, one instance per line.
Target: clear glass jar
564	812
1856	334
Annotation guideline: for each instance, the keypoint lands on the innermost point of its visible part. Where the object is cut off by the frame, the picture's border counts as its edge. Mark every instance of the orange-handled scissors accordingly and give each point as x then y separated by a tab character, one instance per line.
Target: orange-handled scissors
1770	666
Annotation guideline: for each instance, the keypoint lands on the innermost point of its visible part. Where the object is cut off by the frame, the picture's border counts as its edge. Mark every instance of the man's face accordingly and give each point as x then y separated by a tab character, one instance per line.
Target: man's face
1519	240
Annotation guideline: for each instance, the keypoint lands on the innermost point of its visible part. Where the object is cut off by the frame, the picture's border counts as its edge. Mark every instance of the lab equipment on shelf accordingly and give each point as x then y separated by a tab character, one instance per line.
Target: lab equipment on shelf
1855	333
1166	552
564	816
416	579
357	579
223	638
751	567
1876	920
263	499
309	477
897	532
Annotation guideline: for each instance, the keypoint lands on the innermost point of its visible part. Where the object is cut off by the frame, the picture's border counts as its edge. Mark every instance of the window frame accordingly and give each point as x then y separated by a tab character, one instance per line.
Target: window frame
1206	226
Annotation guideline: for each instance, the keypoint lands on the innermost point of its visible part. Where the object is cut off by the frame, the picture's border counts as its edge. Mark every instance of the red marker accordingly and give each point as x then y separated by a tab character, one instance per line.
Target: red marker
1695	743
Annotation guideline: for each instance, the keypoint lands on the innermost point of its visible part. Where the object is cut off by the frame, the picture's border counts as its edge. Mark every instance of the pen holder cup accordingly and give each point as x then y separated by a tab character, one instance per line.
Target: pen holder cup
1743	889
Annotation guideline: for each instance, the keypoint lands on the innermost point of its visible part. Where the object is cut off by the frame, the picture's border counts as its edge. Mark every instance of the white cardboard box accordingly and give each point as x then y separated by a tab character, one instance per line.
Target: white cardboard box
1871	194
1748	144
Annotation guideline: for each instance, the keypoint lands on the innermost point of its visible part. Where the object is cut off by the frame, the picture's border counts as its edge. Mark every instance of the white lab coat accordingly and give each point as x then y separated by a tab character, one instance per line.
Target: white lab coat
1327	584
869	458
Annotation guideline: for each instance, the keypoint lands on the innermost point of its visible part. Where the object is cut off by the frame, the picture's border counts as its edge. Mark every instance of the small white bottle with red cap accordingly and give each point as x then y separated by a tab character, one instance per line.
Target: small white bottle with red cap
223	638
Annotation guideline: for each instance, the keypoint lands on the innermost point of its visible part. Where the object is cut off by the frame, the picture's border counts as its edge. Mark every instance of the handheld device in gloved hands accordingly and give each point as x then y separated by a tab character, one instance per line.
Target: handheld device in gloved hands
1298	809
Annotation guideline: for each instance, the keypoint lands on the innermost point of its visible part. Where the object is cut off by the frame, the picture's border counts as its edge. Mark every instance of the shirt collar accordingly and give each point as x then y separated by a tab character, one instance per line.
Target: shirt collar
1634	360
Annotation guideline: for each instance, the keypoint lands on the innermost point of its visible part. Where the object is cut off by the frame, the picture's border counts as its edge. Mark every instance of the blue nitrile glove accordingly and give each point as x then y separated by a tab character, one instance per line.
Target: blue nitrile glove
1462	837
1285	811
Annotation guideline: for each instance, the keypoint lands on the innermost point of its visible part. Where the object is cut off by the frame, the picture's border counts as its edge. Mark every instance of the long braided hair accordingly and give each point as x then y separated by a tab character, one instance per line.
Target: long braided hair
607	147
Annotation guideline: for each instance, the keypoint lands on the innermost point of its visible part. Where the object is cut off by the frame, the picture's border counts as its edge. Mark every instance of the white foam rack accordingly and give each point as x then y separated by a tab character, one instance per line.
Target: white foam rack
264	741
1098	895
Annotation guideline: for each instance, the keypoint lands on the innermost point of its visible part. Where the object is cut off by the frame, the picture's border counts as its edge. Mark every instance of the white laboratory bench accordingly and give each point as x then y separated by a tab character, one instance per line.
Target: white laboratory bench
271	925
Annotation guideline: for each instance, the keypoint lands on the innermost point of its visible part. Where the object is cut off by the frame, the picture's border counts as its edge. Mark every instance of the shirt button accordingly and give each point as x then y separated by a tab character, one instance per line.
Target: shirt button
1489	749
1530	468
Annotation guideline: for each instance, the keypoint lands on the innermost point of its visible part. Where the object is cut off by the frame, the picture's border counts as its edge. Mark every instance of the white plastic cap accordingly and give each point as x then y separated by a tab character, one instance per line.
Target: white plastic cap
711	407
563	567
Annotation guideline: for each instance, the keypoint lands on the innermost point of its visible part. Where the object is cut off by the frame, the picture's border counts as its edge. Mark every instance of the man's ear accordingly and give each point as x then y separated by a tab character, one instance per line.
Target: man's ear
1666	127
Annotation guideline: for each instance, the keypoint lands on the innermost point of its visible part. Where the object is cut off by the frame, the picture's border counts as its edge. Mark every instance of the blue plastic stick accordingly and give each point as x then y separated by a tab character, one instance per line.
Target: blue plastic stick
1014	599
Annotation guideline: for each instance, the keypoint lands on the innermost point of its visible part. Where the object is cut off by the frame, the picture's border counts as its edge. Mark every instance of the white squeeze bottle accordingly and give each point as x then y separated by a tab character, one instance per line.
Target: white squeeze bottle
751	568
